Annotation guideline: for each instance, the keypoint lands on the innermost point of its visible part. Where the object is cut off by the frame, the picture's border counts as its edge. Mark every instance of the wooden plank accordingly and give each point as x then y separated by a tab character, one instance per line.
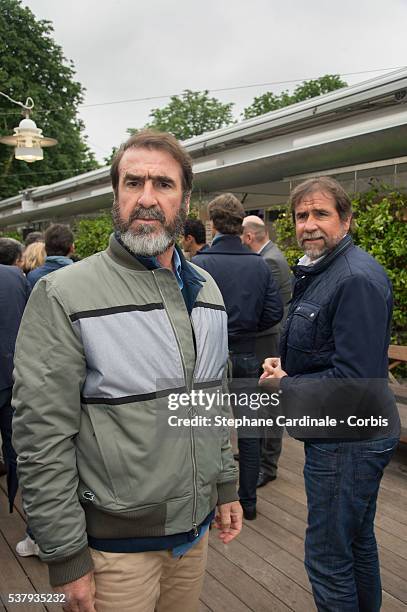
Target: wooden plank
285	519
283	501
392	562
276	582
14	580
391	542
18	504
397	352
403	421
36	571
276	534
391	526
204	608
248	590
391	604
218	598
400	391
12	526
394	585
285	562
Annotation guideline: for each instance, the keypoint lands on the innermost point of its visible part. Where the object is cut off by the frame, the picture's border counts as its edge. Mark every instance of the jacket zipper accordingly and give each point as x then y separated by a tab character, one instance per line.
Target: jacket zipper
191	433
194	525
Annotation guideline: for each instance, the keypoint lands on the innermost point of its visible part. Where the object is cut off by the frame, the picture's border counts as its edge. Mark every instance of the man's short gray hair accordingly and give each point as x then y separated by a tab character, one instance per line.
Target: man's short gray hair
322	184
257	228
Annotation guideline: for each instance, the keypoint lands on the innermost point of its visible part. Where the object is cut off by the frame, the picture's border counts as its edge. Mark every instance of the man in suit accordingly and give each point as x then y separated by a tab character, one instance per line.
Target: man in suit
252	304
256	237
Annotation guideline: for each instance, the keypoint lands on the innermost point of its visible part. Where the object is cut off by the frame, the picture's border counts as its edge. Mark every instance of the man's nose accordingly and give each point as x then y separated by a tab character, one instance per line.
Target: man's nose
310	224
147	197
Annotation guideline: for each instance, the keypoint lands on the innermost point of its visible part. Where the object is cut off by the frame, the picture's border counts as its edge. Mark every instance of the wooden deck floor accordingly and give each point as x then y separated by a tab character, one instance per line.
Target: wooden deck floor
263	570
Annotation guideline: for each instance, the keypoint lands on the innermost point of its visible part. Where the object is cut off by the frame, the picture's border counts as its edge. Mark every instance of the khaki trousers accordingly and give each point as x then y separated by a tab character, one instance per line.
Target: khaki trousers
150	581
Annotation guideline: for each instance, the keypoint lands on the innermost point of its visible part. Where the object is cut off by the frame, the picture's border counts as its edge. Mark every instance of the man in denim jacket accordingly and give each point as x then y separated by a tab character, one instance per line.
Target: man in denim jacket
334	361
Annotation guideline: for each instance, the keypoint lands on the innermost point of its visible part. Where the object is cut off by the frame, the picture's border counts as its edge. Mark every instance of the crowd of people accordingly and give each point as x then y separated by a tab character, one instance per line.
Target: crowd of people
119	502
26	263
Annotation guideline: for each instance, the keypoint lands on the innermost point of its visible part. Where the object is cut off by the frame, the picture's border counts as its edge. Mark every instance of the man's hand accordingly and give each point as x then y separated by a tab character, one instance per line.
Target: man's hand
272	371
229	520
80	594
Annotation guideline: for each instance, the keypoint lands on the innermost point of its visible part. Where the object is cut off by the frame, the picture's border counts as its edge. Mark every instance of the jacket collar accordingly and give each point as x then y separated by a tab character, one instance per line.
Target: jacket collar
118	252
226	244
61	260
266	247
340	248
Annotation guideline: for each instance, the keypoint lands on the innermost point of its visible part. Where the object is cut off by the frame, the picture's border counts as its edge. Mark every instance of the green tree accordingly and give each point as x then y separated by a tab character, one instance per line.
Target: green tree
109	158
308	89
11	234
92	235
381	229
33	65
191	114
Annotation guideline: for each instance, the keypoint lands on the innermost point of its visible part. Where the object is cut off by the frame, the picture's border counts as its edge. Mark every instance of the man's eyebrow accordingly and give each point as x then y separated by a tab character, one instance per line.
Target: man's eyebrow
315	208
321	209
128	176
162	178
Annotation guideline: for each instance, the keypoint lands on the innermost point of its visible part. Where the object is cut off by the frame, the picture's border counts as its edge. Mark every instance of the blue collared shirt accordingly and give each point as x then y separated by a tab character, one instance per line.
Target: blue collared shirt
176	264
152	263
188	279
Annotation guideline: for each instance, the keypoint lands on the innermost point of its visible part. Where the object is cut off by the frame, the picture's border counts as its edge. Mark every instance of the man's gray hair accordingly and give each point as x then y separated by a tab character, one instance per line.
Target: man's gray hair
256	226
322	184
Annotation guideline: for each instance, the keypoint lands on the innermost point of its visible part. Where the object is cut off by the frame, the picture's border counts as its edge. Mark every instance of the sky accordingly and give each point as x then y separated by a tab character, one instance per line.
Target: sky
127	49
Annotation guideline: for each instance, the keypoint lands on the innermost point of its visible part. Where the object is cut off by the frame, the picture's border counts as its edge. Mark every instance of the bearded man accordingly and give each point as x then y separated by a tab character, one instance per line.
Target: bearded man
334	363
120	501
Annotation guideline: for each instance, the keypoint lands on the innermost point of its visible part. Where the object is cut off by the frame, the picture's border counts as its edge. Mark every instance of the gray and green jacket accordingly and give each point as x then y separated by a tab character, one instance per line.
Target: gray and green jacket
101	347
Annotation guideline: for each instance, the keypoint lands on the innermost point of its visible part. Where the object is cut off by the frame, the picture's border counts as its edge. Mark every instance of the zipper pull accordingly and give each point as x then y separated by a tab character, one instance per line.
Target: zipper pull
195	530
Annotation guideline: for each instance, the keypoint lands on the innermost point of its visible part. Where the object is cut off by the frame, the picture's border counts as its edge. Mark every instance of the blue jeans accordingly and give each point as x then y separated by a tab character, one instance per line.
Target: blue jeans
246	366
342	481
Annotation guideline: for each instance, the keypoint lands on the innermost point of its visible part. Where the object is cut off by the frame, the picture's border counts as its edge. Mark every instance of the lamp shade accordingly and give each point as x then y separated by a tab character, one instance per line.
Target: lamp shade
28	141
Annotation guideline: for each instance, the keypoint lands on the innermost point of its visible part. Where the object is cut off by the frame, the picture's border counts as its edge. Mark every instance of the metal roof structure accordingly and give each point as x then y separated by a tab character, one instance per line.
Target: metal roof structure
358	128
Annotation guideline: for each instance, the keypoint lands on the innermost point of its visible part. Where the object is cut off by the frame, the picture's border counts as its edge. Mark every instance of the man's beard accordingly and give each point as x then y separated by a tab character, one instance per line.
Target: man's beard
148	239
315	251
